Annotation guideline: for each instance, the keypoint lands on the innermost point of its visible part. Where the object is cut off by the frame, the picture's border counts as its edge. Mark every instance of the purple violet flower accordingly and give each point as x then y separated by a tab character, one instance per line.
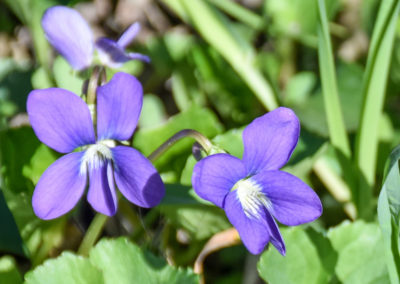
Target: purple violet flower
72	37
253	190
62	121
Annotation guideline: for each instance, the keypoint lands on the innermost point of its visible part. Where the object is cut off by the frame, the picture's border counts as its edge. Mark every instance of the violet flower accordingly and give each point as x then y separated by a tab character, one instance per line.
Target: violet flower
252	190
71	36
62	121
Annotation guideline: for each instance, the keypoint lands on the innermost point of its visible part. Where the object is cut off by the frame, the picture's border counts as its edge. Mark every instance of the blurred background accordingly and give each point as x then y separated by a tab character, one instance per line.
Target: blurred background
215	64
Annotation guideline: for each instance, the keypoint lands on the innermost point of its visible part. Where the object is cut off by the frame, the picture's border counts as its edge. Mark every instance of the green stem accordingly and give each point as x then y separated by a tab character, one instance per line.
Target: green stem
240	13
203	141
93	233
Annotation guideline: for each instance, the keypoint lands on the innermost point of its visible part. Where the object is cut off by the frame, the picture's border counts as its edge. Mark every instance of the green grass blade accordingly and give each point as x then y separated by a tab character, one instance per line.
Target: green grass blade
240	13
218	32
373	91
333	110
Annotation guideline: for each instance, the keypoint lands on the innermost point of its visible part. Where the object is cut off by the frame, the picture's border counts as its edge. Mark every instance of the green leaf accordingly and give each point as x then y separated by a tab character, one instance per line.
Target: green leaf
361	253
23	158
389	215
373	90
40	79
231	141
333	110
153	112
123	262
10	239
67	268
299	88
9	273
309	258
66	77
17	147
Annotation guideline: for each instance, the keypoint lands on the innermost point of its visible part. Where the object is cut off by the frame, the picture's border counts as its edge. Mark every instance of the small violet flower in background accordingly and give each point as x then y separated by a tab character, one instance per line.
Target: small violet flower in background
253	190
62	121
71	36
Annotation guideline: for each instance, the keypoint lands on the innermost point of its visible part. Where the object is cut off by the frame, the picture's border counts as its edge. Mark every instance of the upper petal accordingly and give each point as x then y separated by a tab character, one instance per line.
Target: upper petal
70	35
255	235
60	119
214	176
101	194
136	177
119	103
110	53
270	140
139	56
293	201
60	187
128	35
114	55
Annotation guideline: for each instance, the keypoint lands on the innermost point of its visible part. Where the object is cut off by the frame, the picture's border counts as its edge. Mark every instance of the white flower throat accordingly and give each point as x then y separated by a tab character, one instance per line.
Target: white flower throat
96	155
251	197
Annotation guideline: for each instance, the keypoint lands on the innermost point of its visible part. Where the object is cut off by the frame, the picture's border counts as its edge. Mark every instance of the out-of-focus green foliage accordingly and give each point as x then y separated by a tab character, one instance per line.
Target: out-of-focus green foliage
9	271
215	66
111	261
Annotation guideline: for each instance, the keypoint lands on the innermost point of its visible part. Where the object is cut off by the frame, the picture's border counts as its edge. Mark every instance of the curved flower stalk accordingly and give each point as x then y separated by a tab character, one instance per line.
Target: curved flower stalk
71	36
253	190
62	121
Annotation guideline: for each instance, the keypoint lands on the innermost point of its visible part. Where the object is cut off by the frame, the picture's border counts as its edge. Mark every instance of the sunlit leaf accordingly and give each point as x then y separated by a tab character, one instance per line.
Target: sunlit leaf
309	258
389	214
66	269
123	262
361	256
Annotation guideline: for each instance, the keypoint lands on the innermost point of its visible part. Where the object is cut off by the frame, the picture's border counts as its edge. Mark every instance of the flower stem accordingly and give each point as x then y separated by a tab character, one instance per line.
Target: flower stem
92	233
97	78
200	138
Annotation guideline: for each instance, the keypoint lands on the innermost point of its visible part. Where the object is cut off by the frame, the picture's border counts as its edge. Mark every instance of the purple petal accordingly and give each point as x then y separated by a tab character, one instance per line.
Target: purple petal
139	56
60	187
110	53
101	193
119	103
275	234
114	55
293	201
128	36
214	176
270	140
60	119
136	177
254	235
70	35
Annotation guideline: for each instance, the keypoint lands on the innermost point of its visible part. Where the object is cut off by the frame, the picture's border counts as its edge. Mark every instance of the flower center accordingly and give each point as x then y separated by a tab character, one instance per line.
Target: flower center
251	197
96	155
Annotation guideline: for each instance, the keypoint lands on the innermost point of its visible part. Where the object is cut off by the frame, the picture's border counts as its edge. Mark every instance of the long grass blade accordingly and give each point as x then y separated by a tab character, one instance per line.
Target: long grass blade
373	91
333	110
